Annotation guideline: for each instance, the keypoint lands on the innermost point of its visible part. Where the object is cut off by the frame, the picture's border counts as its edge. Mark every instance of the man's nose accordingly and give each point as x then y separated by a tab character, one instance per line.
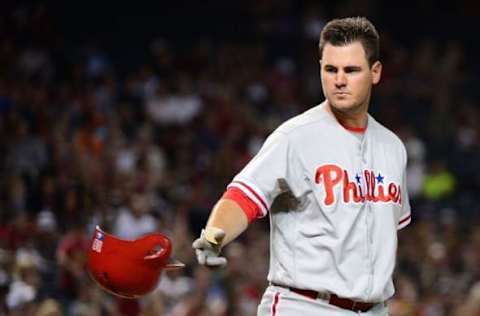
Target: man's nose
340	79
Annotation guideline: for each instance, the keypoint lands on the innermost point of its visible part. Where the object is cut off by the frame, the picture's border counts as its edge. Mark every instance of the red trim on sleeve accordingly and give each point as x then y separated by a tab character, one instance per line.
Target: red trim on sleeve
251	209
405	219
253	192
403	222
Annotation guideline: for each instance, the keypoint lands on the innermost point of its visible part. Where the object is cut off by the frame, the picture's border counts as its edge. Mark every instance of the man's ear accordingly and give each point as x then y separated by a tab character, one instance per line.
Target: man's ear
376	72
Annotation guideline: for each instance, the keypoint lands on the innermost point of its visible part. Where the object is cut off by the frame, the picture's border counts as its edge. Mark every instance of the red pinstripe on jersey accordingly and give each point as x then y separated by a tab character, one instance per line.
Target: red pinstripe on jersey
276	299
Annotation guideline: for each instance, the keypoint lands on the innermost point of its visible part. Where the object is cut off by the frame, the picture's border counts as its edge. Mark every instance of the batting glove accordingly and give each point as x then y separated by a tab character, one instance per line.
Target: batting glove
207	247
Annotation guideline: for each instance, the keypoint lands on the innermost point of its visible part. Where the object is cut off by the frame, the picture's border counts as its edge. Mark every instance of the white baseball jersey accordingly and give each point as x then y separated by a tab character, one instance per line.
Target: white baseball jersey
335	202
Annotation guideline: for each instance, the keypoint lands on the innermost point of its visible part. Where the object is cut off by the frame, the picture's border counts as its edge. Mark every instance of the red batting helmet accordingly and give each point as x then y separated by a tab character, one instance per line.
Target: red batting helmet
129	268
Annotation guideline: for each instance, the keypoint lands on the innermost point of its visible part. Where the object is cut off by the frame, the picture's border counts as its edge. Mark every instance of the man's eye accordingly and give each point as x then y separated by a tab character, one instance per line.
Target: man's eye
352	70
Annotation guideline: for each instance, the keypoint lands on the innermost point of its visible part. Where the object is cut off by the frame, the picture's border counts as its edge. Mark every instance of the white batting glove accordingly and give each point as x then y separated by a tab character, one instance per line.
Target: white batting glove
207	247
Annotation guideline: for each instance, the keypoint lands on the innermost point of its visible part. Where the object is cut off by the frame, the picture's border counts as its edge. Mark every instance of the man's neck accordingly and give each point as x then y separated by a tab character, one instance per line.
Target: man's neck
354	120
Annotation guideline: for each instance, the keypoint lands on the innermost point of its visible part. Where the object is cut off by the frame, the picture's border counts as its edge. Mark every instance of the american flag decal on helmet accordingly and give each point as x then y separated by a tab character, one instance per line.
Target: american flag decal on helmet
98	242
100	236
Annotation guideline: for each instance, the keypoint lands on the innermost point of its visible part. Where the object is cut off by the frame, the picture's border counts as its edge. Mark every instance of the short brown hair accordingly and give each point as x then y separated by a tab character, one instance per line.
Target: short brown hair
340	32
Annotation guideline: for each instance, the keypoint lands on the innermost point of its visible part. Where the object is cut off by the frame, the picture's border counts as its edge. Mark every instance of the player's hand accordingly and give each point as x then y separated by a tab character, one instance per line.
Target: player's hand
207	247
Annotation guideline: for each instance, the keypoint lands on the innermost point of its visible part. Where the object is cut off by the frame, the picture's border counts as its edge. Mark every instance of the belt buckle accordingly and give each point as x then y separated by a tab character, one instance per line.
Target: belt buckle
354	303
324	296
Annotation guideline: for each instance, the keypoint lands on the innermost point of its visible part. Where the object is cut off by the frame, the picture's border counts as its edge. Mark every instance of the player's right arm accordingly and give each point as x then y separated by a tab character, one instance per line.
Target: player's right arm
226	222
247	197
228	216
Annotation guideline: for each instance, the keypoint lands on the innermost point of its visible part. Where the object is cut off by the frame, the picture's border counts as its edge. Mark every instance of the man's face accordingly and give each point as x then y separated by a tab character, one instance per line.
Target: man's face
347	78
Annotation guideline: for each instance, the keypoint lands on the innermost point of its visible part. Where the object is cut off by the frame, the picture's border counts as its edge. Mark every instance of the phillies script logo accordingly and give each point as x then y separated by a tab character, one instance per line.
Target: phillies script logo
373	188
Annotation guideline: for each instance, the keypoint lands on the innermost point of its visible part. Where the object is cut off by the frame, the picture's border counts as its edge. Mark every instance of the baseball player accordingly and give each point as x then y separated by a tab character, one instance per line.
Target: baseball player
337	177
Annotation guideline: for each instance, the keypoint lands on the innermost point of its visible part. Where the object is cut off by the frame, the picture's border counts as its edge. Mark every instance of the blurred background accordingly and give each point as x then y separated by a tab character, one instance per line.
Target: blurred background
136	117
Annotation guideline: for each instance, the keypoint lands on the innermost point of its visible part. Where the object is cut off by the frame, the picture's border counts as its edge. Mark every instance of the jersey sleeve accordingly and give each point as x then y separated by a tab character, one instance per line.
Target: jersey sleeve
261	178
405	216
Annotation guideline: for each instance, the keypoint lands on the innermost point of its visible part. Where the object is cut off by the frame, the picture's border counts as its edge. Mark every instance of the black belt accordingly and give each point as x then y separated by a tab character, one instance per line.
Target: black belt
333	299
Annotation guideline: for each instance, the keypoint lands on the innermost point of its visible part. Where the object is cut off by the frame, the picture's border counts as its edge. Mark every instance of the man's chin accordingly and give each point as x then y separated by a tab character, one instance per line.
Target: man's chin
342	106
347	108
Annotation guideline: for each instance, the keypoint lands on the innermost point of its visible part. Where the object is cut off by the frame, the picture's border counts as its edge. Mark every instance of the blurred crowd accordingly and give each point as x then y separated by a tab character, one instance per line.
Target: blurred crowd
150	147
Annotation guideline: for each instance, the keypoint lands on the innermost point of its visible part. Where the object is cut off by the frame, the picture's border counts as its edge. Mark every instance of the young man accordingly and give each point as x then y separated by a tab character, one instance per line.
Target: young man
333	242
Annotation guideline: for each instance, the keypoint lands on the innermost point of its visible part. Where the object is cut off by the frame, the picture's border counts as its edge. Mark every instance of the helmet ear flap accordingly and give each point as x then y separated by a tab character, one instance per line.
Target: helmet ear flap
128	268
162	256
157	253
157	248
